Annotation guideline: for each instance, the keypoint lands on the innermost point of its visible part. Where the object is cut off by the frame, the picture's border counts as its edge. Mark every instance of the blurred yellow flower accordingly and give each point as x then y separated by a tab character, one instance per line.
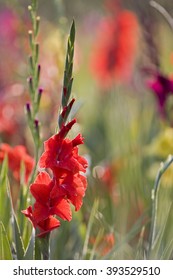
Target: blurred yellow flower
167	177
161	147
162	144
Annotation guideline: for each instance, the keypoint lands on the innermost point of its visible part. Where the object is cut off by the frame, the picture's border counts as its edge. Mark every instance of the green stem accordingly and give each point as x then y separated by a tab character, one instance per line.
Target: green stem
45	247
154	196
33	82
35	166
163	12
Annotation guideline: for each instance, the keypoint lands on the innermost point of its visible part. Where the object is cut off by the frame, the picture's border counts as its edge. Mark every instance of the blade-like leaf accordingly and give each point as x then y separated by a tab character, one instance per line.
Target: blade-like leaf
5	251
89	227
30	251
17	238
4	201
16	231
136	229
72	33
168	251
154	252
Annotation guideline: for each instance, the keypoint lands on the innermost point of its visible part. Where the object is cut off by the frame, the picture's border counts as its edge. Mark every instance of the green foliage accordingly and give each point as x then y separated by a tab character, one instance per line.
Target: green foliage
30	250
5	250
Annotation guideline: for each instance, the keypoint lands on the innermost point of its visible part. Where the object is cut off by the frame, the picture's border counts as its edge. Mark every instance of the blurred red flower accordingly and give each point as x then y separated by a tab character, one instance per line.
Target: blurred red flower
105	243
115	48
7	124
16	155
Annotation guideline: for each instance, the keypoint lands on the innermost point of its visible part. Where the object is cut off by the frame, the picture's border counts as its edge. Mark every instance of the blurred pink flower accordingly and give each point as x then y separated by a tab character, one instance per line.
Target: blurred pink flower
162	87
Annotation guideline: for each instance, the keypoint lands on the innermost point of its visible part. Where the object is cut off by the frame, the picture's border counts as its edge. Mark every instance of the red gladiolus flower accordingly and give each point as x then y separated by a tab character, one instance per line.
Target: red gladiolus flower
45	226
72	186
53	195
46	202
16	156
62	154
115	48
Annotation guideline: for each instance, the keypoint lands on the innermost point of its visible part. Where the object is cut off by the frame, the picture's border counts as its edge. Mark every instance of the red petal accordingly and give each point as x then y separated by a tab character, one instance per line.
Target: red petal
42	177
43	161
48	225
41	191
62	209
40	212
78	140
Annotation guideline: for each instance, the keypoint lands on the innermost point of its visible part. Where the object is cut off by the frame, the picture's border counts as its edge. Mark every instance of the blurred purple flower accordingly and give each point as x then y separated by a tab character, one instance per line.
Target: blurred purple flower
162	87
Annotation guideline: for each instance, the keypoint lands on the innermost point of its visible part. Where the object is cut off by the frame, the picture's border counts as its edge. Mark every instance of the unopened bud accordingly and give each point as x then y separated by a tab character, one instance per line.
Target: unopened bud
37	26
30	33
29	8
31	88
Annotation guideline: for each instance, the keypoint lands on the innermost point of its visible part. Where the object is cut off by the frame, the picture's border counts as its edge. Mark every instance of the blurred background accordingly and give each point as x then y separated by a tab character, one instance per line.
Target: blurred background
123	83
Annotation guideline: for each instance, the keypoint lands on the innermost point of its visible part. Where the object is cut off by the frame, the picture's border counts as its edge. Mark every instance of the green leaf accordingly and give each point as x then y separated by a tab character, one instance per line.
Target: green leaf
67	81
16	231
45	246
5	251
157	243
89	227
37	249
168	251
30	250
4	169
17	238
136	229
5	209
72	33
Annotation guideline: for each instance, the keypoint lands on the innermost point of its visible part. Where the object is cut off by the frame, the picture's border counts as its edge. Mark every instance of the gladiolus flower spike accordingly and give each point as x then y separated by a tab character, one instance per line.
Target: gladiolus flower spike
67	185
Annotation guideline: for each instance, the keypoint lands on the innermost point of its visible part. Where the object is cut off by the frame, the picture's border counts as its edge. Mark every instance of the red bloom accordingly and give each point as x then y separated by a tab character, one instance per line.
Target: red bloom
62	154
47	203
115	48
16	156
45	226
72	186
53	196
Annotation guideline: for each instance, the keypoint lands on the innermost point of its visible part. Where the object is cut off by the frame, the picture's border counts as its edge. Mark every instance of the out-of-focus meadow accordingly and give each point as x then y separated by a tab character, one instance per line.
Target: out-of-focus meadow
123	85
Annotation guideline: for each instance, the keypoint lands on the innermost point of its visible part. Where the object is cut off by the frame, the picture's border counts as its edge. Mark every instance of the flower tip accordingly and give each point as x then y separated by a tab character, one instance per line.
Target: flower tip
29	79
36	122
71	102
29	8
28	107
40	91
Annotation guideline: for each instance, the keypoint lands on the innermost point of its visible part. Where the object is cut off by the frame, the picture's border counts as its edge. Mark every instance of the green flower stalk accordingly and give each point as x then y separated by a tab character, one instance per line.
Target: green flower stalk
52	199
66	105
35	91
